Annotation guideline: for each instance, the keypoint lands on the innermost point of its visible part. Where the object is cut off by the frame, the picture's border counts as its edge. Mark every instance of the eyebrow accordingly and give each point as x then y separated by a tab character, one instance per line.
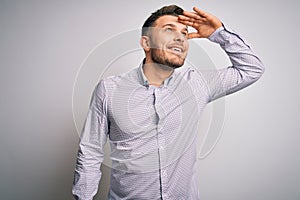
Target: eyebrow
172	25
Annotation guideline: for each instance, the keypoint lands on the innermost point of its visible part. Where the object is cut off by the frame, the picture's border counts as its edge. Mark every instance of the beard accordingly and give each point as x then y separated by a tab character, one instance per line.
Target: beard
158	56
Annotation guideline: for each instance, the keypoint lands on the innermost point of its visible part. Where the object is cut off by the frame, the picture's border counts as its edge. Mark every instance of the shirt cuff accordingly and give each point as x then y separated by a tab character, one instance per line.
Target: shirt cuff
215	34
224	36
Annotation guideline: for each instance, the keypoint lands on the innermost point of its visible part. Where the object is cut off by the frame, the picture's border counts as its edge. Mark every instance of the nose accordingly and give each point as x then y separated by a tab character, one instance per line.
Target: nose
179	37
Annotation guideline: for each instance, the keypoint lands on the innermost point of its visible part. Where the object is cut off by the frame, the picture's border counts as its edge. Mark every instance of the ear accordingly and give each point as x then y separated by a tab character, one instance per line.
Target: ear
145	43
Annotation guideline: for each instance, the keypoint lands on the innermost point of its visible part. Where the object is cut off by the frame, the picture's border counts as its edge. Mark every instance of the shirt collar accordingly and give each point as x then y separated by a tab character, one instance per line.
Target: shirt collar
142	78
144	81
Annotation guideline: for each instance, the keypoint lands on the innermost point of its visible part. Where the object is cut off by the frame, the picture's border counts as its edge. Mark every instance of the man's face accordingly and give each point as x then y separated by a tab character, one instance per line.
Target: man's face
168	42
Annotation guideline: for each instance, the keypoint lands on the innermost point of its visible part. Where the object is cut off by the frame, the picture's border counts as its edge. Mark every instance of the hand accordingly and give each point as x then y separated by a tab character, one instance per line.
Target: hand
203	22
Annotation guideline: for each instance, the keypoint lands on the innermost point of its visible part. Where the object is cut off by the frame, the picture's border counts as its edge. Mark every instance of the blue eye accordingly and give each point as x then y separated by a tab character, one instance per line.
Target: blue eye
169	30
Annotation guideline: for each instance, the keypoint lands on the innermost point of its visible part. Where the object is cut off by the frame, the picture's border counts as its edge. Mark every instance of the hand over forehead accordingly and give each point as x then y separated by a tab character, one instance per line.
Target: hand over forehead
204	23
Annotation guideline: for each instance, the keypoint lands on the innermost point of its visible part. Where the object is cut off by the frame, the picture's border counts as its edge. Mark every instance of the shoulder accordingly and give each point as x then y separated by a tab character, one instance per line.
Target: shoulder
110	82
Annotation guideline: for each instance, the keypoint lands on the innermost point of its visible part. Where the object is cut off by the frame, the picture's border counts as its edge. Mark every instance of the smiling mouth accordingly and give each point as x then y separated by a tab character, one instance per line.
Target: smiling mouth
176	50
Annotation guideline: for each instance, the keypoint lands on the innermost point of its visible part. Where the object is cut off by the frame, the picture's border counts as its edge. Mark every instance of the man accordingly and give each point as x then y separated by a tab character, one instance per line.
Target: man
151	113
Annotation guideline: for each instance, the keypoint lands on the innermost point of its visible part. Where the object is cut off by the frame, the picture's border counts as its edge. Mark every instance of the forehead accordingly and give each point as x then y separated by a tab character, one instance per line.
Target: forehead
169	19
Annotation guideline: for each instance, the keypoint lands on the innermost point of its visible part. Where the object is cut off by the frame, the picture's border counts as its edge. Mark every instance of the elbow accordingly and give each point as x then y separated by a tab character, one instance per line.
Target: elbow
260	71
252	74
256	71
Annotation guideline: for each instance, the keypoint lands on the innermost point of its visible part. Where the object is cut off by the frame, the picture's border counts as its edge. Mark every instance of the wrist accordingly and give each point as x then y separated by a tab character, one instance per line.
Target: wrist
213	36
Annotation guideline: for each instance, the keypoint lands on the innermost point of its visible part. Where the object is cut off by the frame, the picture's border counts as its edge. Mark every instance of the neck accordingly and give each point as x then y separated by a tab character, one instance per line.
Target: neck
156	73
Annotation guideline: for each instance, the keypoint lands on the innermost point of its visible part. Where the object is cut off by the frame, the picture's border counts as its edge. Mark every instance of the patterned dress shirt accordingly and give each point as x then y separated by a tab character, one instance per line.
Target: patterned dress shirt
152	130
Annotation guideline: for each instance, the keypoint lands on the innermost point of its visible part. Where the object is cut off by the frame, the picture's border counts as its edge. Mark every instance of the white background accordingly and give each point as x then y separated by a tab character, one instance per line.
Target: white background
42	46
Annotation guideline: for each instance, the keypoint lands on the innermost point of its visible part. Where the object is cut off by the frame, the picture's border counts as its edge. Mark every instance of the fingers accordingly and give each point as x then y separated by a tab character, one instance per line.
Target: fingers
190	19
191	15
201	13
198	14
203	22
183	18
193	35
188	23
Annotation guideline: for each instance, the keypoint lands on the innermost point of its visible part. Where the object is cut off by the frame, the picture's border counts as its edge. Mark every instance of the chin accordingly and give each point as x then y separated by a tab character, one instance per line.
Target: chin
176	63
169	60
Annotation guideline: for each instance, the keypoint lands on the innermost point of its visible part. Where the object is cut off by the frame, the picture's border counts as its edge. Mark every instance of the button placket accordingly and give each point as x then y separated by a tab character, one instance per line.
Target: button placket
161	141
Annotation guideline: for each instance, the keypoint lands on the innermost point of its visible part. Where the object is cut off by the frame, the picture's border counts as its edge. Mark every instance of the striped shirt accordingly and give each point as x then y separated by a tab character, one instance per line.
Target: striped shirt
152	130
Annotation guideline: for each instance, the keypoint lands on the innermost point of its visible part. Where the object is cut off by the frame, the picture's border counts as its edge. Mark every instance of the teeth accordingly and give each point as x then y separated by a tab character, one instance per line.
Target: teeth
177	49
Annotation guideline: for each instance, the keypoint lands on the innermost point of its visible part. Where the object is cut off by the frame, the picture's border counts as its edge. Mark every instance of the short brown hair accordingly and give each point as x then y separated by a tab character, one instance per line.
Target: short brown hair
173	10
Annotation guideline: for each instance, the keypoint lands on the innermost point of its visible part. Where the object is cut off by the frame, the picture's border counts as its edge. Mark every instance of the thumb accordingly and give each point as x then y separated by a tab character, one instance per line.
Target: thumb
193	35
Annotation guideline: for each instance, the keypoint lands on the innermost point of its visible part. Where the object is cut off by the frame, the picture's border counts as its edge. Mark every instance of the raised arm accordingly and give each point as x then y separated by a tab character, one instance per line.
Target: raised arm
246	66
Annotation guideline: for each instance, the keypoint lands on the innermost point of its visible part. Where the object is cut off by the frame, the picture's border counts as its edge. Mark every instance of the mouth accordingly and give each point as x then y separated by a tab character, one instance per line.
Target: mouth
178	50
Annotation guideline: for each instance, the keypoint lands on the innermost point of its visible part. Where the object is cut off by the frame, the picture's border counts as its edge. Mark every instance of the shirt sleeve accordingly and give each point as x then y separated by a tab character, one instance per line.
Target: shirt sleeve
91	147
246	66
